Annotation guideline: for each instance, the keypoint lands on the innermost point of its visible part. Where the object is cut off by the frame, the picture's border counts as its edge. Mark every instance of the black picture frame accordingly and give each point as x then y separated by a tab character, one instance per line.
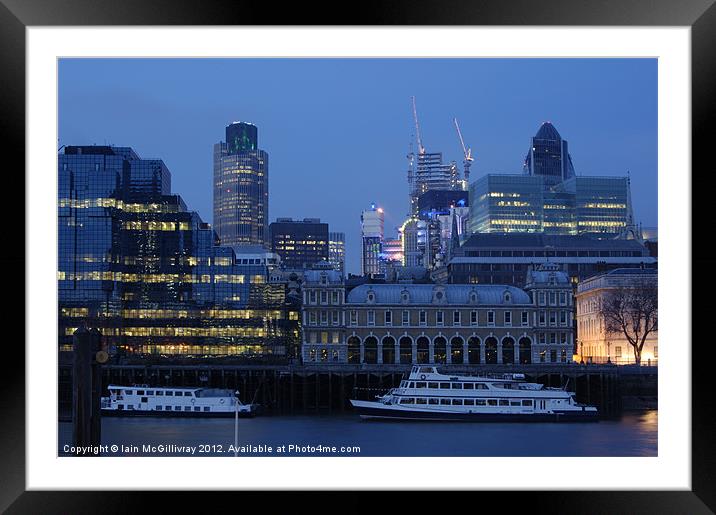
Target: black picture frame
700	15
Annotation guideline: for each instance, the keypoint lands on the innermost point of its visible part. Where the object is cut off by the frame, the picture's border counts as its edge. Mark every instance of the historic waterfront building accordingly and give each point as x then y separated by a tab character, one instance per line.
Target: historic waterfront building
323	315
241	196
505	258
134	262
593	342
444	324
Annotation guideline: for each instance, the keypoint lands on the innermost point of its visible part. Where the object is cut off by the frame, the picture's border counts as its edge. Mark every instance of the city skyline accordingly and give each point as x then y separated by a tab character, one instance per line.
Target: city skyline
339	137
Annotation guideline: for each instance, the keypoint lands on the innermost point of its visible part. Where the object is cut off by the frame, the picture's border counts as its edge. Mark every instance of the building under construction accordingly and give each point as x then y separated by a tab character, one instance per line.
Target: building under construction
427	172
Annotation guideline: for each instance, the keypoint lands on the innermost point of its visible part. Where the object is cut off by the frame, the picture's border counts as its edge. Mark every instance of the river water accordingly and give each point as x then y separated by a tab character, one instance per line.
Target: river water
634	434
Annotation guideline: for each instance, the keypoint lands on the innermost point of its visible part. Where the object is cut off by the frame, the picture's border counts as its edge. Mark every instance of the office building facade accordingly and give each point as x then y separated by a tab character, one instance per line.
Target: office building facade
138	265
300	243
337	251
372	234
241	200
506	258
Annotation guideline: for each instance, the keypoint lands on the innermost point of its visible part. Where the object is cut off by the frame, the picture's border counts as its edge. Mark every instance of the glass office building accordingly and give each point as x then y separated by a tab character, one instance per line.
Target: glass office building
337	251
548	198
134	262
241	187
300	243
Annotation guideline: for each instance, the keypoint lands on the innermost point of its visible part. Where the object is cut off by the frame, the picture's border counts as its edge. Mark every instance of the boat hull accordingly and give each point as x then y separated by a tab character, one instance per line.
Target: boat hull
378	411
175	414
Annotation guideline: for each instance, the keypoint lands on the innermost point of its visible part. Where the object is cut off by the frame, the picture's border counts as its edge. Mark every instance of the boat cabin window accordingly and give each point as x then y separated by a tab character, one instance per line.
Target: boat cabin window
432	385
444	386
480	402
158	408
140	392
143	399
469	402
403	384
169	393
150	392
407	400
187	408
420	385
121	406
480	386
128	392
411	384
197	408
421	401
504	402
445	401
457	402
187	394
468	386
514	403
160	393
206	408
527	402
492	402
177	408
129	406
457	386
433	401
426	370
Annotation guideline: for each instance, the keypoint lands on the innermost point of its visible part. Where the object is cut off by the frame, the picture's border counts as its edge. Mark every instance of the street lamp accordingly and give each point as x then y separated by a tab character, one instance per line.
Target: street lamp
581	352
236	424
609	353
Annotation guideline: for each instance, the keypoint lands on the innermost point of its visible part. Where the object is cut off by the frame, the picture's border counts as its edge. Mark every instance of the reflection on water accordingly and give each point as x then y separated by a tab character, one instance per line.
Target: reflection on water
635	434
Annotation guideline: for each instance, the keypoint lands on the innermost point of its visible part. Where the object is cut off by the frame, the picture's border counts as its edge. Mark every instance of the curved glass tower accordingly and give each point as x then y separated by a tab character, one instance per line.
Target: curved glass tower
548	155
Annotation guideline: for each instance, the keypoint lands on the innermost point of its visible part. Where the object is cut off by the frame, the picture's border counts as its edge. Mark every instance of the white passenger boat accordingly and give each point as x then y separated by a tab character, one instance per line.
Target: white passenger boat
143	400
429	395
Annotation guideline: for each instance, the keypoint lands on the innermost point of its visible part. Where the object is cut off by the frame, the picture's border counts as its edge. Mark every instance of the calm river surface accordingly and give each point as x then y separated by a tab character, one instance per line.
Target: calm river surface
634	434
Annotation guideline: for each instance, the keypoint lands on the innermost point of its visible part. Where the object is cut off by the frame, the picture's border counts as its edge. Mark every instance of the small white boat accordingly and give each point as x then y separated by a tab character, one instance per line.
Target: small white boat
144	400
429	395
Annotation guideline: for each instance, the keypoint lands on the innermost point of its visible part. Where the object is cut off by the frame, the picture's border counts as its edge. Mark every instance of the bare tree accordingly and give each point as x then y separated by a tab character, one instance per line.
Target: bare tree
632	311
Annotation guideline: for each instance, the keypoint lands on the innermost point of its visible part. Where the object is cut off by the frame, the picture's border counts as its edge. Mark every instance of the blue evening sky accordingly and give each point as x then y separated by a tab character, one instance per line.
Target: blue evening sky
338	130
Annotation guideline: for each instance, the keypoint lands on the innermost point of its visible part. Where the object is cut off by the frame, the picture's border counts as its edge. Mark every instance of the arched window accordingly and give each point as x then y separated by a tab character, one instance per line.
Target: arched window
473	350
353	349
370	350
508	350
388	349
491	350
457	352
440	350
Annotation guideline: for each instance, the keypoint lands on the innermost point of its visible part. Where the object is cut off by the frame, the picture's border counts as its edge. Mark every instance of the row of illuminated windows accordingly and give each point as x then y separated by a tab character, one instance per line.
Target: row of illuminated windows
600	223
322	337
118	204
156	226
436	318
465	402
157	278
155	260
179	331
514	222
205	313
325	297
206	350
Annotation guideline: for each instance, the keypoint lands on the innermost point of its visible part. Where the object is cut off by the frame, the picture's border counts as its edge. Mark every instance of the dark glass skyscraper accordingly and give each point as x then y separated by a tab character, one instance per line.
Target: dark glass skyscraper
137	264
300	243
241	187
548	156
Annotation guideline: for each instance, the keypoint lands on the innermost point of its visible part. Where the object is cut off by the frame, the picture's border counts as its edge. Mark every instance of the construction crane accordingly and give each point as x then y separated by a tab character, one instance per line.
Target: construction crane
421	148
466	151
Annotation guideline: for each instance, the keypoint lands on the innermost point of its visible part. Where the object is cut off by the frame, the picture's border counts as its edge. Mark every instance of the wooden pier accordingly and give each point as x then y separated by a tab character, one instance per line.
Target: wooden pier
327	388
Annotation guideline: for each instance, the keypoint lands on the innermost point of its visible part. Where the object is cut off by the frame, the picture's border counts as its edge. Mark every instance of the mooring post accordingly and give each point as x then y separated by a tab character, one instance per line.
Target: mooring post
87	387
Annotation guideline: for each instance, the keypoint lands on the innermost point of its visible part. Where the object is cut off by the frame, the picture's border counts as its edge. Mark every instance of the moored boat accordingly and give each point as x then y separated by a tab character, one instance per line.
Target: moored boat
151	401
429	395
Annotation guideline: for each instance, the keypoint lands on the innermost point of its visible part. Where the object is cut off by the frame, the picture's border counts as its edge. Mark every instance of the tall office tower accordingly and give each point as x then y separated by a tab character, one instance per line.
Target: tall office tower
372	224
134	262
300	243
337	251
430	173
548	156
393	250
241	187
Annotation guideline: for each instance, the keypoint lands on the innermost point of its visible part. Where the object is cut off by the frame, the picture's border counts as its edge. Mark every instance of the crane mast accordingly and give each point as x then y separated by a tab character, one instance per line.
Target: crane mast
466	151
421	148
